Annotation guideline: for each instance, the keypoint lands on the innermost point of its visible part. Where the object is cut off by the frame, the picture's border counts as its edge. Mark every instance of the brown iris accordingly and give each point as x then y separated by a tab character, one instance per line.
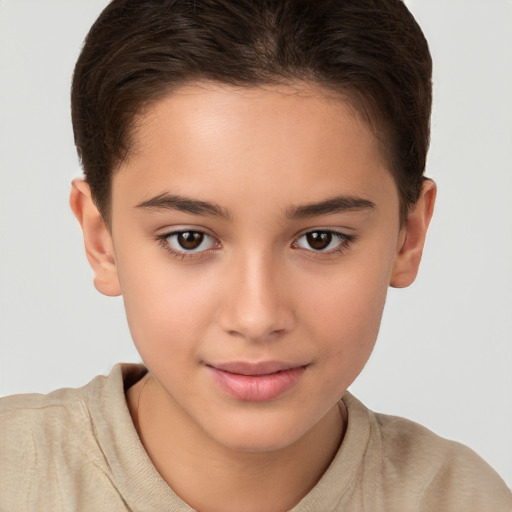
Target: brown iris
319	240
190	240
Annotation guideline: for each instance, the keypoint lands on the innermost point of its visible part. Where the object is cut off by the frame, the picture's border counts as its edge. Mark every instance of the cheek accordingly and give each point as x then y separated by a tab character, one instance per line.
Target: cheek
345	311
352	313
166	309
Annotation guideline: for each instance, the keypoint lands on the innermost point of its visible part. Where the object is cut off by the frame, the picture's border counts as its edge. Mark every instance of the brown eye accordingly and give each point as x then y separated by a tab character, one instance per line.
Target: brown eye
323	241
319	240
190	240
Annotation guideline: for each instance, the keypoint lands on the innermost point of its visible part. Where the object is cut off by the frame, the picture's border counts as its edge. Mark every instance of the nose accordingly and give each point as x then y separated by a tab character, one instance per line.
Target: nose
258	304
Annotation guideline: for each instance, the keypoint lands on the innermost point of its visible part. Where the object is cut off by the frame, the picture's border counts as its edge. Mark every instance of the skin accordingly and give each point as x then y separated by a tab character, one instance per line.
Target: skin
256	290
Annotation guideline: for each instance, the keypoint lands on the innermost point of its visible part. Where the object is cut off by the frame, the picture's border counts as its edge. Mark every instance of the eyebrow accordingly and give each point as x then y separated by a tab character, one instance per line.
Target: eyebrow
338	204
333	205
184	204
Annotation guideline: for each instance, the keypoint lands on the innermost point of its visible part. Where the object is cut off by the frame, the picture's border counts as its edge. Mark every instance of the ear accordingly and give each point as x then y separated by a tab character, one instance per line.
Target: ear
98	241
412	238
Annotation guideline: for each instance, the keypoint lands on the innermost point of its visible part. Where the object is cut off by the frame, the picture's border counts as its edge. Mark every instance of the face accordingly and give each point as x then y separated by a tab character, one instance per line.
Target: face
255	233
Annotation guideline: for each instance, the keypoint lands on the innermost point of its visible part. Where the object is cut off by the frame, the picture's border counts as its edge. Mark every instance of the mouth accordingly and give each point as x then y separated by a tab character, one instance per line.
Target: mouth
256	382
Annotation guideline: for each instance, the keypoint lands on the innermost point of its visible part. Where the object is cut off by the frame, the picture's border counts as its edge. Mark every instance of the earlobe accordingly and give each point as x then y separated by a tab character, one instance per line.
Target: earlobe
412	238
97	239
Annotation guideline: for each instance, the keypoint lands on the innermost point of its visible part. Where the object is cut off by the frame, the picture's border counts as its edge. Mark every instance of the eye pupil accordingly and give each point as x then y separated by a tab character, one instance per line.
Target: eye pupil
190	240
319	240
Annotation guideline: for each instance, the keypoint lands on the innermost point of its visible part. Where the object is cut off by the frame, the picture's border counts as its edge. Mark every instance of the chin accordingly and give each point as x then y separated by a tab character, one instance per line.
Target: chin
257	435
252	445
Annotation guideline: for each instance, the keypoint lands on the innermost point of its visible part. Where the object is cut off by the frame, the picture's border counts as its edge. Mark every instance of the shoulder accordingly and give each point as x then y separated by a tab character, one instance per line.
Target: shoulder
64	412
56	412
422	467
30	428
23	418
38	430
49	444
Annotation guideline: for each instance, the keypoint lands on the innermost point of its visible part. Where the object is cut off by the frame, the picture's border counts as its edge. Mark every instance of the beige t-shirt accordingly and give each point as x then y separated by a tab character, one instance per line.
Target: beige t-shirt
78	450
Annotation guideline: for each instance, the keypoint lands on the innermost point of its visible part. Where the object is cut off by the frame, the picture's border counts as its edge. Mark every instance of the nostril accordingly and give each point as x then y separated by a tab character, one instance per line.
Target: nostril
257	335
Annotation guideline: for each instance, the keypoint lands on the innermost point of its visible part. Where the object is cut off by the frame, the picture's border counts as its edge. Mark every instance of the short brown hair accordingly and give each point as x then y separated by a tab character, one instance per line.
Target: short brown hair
371	51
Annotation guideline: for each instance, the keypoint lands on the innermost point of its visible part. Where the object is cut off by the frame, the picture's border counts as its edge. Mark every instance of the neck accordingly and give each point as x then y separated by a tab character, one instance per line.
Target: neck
211	477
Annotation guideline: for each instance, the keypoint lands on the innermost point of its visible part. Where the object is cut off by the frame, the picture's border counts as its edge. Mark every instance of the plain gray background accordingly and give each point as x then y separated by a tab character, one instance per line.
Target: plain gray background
444	353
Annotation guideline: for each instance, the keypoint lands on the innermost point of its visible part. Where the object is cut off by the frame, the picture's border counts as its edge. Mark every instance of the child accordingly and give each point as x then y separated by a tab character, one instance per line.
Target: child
253	184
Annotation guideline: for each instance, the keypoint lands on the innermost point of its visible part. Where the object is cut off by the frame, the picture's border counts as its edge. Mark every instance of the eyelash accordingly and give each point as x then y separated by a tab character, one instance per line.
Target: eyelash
345	241
164	242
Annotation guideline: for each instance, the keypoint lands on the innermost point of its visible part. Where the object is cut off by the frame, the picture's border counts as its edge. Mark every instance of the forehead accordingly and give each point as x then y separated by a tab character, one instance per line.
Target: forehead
245	111
216	140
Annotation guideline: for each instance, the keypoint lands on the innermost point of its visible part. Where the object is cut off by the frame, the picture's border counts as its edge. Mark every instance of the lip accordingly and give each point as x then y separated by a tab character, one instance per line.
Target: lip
256	382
